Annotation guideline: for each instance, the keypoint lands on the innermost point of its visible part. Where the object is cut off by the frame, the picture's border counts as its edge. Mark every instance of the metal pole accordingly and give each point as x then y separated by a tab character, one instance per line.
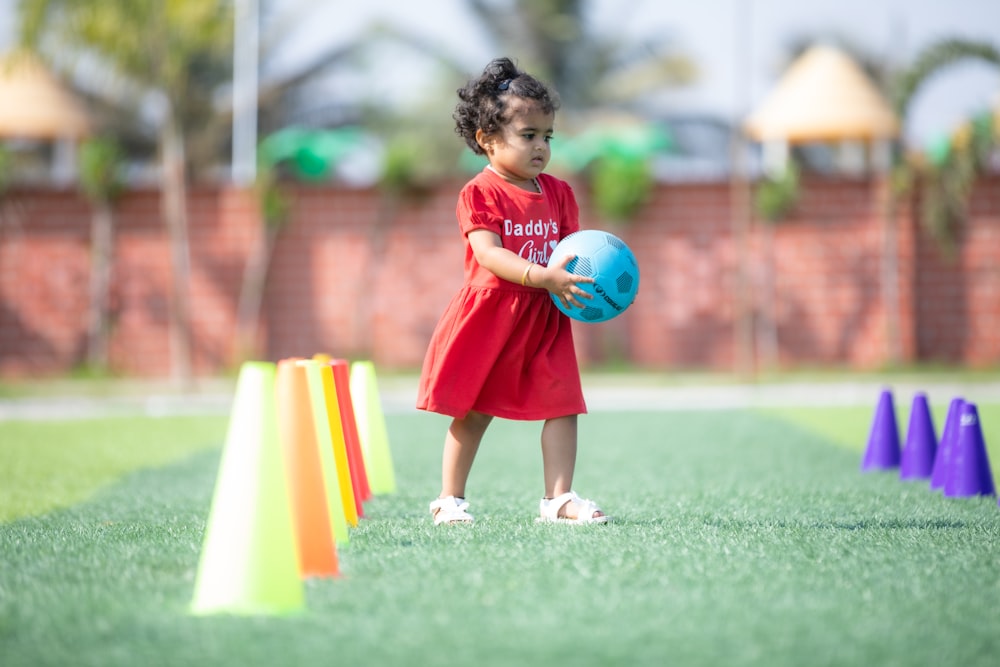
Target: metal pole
739	196
245	47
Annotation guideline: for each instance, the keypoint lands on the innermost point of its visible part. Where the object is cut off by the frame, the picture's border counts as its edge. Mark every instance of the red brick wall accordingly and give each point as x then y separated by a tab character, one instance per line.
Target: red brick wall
359	276
827	277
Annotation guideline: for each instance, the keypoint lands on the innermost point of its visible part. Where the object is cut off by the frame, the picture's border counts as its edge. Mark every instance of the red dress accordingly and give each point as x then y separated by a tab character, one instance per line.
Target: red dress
500	348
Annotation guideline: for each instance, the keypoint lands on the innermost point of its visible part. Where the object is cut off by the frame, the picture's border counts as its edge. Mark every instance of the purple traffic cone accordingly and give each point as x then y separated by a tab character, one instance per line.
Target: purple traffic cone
943	457
917	460
969	473
882	452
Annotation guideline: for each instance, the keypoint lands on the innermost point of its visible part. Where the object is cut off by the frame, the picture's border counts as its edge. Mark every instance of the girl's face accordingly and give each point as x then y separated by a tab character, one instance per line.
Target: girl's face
521	151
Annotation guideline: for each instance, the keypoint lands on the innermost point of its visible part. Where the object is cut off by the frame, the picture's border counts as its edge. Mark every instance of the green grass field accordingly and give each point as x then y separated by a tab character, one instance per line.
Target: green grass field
741	538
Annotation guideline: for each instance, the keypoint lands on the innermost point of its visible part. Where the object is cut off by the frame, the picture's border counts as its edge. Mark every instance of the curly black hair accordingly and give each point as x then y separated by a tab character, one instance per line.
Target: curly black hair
483	101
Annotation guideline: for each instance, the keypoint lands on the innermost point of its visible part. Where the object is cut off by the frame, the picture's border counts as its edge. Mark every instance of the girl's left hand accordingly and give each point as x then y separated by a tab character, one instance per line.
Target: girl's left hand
563	284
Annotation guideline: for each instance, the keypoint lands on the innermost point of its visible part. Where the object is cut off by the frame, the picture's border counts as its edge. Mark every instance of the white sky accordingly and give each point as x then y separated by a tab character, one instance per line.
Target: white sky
736	44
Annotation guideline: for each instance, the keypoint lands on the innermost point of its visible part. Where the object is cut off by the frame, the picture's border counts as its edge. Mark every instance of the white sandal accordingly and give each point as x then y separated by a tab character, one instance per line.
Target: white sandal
586	509
450	510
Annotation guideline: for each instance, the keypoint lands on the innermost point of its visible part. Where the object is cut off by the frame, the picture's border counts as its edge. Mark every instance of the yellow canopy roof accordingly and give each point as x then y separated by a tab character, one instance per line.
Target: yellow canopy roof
34	105
824	96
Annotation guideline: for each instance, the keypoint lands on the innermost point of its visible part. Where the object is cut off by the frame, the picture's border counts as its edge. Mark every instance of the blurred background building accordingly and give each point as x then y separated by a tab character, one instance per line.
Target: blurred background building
698	70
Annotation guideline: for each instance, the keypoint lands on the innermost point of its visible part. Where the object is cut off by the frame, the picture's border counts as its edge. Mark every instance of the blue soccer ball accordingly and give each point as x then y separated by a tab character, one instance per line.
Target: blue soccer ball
605	258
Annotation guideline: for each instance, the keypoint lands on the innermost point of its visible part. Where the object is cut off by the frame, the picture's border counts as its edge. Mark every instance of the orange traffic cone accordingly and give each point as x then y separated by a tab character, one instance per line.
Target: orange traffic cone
310	502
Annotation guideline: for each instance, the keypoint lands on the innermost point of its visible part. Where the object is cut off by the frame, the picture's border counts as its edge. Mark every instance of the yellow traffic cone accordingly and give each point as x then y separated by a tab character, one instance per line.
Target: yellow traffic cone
336	429
339	515
249	560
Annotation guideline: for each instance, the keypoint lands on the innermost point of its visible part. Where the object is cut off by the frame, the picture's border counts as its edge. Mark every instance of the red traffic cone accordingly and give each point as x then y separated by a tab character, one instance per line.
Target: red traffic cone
342	379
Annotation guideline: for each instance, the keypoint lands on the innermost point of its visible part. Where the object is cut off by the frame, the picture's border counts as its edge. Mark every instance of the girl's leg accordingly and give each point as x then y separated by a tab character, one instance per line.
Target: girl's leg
559	460
559	454
460	447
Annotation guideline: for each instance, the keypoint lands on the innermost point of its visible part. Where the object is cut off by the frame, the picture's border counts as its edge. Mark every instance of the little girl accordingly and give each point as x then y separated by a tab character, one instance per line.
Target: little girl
502	348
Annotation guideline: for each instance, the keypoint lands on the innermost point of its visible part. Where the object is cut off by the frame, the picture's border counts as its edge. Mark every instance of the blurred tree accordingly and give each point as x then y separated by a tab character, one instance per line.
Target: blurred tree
593	67
274	208
948	170
6	175
175	56
161	48
6	168
620	187
310	155
945	190
774	199
100	177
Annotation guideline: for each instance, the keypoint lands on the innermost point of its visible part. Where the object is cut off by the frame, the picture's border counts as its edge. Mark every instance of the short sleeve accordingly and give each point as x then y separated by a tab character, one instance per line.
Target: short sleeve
570	219
567	209
476	210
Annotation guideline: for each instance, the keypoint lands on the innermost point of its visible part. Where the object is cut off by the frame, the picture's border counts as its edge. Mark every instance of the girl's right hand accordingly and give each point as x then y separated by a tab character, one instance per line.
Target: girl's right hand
563	284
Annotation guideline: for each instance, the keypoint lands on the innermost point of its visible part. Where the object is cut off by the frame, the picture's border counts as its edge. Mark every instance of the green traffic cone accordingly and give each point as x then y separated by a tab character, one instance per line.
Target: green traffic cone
249	561
372	430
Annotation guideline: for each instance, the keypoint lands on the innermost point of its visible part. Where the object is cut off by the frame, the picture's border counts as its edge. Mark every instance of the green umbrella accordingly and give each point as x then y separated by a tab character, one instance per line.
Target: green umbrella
939	149
634	142
314	153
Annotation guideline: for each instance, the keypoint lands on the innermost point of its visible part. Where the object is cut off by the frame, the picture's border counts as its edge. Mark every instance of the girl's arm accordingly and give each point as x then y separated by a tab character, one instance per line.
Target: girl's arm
490	253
